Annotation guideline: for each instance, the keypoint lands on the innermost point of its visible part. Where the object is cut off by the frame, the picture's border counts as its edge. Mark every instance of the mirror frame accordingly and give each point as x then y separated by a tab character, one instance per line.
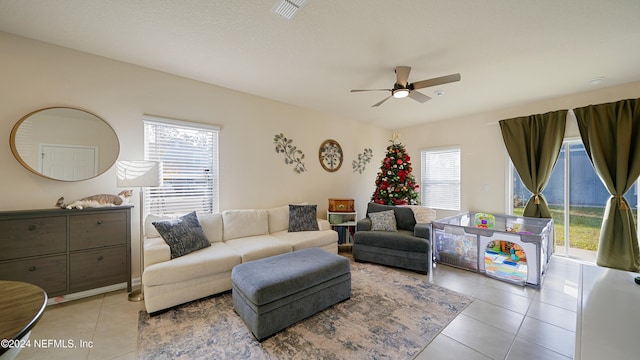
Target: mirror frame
16	154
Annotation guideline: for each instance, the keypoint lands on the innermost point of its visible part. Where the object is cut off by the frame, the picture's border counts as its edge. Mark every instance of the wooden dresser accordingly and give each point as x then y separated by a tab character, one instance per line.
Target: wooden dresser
66	251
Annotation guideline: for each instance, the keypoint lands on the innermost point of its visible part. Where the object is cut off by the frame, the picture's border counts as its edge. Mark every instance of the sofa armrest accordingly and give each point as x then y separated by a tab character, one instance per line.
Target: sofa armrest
422	230
323	225
156	251
363	225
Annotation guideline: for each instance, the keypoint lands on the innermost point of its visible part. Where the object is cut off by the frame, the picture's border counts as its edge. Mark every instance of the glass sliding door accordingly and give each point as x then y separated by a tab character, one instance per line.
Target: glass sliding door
576	197
588	197
555	195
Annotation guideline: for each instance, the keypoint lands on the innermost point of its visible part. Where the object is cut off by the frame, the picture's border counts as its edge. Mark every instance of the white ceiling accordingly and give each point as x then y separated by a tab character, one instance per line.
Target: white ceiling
509	52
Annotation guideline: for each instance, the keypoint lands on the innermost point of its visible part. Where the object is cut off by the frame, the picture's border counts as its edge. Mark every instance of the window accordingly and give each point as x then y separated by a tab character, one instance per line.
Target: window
440	181
189	156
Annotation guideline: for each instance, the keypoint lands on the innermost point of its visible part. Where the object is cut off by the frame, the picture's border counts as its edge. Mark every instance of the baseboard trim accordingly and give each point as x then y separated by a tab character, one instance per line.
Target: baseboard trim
84	294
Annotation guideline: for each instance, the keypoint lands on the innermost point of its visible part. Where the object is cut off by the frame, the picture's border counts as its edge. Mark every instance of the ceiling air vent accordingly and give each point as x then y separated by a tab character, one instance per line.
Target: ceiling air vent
287	8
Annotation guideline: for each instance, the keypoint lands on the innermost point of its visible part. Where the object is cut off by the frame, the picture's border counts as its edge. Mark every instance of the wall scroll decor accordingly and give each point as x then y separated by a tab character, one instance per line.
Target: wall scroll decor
363	160
330	155
292	155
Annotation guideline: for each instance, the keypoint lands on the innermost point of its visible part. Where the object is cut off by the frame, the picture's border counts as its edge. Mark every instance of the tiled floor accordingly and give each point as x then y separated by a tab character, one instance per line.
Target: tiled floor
503	322
507	321
109	321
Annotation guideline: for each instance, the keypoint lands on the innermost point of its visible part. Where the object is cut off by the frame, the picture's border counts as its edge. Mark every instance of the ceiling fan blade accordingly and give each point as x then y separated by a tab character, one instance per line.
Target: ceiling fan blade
436	81
360	90
418	96
402	75
380	103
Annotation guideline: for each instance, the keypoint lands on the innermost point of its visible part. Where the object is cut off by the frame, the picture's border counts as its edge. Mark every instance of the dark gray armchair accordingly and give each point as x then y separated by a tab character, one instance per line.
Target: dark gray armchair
409	247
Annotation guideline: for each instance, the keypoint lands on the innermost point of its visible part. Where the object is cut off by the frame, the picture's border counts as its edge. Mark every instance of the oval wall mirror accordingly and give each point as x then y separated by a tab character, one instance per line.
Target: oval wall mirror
64	143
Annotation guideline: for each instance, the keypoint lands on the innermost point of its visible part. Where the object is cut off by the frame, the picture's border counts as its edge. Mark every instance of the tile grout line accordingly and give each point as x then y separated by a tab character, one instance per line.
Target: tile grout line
95	327
519	328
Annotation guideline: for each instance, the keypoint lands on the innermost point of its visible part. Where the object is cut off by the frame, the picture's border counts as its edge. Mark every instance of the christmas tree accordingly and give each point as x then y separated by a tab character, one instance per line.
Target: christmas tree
395	185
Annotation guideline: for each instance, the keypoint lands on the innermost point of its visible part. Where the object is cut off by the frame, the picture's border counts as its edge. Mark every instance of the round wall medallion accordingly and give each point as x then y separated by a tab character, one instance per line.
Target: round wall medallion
330	155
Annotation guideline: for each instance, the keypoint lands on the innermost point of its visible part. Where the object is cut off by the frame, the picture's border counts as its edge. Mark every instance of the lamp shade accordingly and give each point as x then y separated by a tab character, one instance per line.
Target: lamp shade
138	173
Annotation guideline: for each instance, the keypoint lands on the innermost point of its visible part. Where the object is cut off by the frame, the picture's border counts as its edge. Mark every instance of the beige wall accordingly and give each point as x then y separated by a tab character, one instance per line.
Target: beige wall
483	155
253	175
37	75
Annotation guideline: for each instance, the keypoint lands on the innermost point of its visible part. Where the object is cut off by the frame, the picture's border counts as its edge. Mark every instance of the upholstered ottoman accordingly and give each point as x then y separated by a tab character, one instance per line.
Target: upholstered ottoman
272	293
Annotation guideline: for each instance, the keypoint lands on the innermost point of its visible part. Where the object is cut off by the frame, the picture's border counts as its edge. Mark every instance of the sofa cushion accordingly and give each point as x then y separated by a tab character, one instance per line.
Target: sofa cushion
156	250
184	235
404	215
401	240
307	239
422	214
303	218
278	218
243	223
383	221
218	258
150	230
258	247
211	225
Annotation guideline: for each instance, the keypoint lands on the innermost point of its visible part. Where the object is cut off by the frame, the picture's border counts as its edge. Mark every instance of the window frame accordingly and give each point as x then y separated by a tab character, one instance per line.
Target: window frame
457	183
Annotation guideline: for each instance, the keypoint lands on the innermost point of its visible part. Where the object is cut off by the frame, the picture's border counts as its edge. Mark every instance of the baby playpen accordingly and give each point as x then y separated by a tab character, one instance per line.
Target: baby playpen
511	248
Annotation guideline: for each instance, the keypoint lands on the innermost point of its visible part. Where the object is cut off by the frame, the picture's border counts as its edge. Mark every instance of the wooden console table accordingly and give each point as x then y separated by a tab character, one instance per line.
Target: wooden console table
608	316
21	306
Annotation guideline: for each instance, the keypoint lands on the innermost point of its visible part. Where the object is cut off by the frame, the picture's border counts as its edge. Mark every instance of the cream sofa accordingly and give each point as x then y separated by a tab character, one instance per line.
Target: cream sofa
236	236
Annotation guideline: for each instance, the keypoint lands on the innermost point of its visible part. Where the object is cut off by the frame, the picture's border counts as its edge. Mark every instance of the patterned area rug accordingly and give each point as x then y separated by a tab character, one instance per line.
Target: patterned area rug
390	315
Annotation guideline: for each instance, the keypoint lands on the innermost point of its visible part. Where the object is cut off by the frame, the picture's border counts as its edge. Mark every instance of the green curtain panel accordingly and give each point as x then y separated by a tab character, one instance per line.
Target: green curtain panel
534	143
611	136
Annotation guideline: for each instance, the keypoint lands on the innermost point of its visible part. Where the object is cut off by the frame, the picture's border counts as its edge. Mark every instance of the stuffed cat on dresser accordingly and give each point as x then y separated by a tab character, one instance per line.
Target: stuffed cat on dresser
95	201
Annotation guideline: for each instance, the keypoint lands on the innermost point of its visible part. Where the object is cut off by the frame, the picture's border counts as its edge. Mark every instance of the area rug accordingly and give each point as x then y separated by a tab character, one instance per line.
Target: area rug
390	315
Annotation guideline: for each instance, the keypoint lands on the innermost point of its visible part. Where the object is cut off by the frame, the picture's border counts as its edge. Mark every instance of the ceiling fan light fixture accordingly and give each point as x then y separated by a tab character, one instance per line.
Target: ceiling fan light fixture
400	93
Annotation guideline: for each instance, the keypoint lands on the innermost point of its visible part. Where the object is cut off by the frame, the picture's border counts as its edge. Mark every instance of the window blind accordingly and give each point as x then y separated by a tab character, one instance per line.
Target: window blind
189	156
440	178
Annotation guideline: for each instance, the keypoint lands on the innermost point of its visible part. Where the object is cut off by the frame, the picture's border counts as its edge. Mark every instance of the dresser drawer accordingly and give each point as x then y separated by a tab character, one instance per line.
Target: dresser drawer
49	273
97	268
32	236
97	230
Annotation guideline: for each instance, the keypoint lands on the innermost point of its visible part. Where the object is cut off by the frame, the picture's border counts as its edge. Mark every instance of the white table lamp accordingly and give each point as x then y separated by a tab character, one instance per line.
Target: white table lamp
139	173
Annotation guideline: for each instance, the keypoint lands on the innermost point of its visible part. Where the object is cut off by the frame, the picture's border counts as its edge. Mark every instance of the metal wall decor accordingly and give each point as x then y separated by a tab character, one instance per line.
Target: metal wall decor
330	155
292	155
363	160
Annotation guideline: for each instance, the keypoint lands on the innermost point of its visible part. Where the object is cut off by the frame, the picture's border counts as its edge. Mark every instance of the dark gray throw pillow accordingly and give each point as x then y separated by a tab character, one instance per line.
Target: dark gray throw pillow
184	235
303	218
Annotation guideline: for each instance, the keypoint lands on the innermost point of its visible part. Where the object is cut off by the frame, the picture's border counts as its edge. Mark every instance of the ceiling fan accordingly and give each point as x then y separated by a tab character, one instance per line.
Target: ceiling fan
403	88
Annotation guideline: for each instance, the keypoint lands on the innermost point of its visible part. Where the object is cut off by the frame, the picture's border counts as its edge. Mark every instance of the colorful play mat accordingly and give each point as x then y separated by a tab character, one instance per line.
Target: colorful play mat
502	262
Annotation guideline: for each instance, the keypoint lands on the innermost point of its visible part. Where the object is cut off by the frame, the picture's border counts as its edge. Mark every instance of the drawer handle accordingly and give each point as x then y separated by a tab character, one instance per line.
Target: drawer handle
32	227
100	257
32	269
99	222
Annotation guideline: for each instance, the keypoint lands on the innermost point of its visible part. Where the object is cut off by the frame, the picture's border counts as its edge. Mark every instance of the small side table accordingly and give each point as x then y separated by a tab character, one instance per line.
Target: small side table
21	307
